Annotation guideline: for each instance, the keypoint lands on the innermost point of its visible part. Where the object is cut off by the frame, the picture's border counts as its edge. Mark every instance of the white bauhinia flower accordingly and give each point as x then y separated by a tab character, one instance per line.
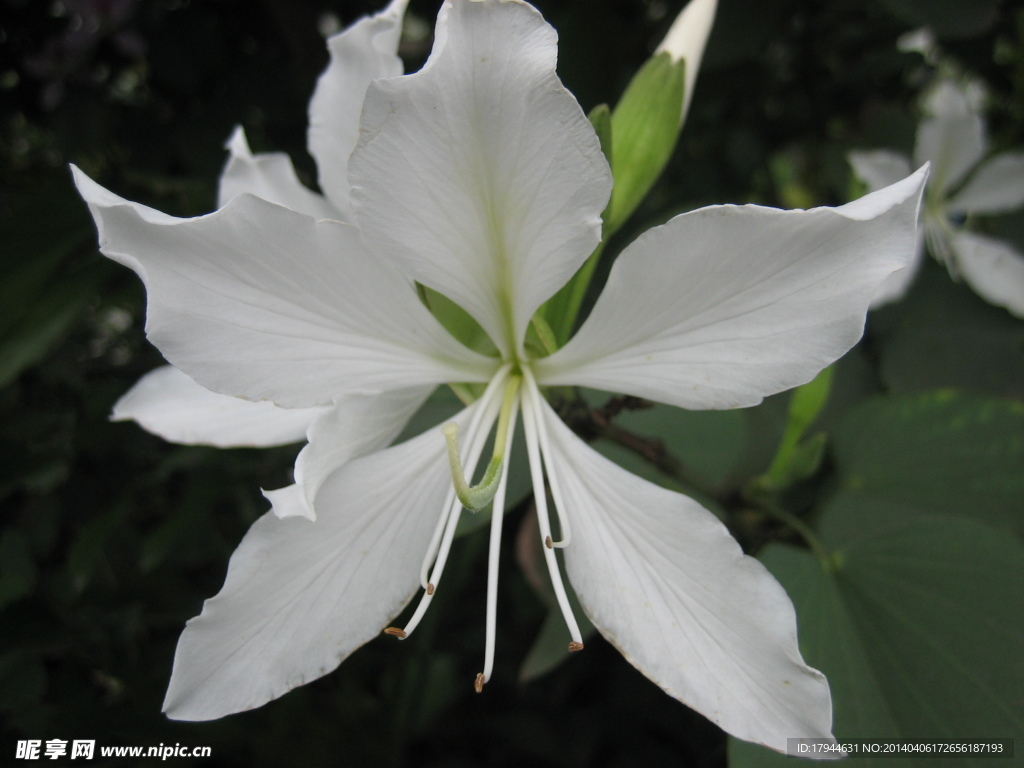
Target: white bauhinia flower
963	183
480	177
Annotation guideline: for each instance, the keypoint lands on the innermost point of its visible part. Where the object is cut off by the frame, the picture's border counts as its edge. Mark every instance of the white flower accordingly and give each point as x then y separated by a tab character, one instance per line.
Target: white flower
963	183
480	178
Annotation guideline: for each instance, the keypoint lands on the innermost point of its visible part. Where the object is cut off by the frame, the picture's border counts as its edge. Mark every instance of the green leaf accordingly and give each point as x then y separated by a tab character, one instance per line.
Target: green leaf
795	461
919	629
802	461
942	451
943	335
709	443
40	297
645	125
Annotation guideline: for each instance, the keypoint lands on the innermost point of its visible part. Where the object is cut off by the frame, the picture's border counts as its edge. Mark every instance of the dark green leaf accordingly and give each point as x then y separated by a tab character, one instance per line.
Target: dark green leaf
942	335
937	452
919	629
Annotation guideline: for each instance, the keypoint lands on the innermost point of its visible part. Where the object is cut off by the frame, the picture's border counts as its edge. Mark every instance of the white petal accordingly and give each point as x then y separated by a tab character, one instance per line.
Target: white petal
952	138
299	597
896	285
879	168
687	38
360	54
270	176
168	403
260	302
993	269
665	583
481	172
355	426
726	305
996	187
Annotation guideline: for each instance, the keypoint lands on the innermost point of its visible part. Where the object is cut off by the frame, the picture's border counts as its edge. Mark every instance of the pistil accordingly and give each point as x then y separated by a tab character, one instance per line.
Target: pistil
476	497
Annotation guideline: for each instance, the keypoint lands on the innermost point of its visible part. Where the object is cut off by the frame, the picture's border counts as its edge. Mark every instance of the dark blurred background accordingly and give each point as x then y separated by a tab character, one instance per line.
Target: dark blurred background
110	538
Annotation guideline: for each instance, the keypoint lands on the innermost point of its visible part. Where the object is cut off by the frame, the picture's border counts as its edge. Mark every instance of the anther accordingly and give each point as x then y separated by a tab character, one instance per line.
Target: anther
430	588
478	684
395	632
548	542
574	646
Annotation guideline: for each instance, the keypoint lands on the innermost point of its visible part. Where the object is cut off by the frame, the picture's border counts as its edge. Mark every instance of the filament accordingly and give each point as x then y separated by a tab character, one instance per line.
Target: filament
531	417
553	481
494	550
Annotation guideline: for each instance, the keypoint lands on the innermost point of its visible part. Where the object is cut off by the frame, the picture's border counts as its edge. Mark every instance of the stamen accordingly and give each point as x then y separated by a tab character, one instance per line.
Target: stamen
486	412
553	481
531	418
478	684
445	532
451	523
506	429
396	632
574	646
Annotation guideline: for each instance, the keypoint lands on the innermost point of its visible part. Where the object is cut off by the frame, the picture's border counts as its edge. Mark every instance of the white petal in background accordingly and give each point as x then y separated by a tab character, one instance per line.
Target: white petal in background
993	269
997	186
665	583
299	596
355	426
879	168
168	403
360	54
723	306
270	176
481	172
257	301
897	284
952	139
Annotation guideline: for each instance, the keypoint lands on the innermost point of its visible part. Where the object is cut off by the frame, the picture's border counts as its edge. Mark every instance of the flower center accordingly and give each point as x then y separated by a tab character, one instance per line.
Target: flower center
505	395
